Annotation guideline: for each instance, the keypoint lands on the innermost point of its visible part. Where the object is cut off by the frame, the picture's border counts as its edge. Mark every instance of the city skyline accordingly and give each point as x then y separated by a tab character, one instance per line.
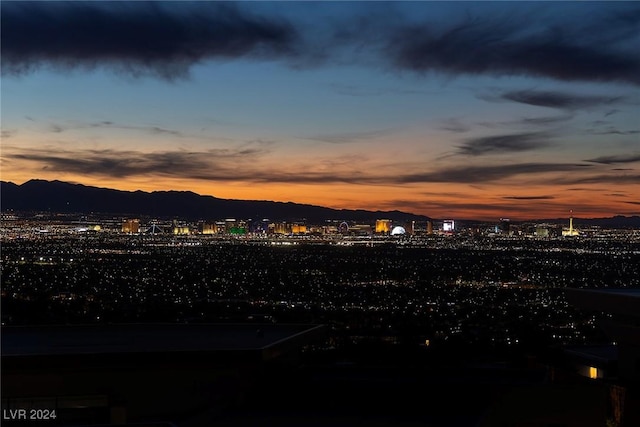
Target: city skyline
475	110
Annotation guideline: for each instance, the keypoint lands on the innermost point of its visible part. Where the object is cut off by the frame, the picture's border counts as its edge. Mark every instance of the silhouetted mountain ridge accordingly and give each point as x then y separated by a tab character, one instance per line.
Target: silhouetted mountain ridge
64	197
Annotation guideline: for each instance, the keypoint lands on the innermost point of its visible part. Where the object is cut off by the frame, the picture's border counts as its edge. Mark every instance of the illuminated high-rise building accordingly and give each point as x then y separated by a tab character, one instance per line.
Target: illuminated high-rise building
429	227
298	228
282	228
181	229
208	228
448	225
383	226
131	226
505	226
571	231
571	223
410	227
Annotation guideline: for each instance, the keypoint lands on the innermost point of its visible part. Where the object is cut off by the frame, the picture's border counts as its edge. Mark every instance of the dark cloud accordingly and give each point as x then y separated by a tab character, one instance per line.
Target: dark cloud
159	130
140	38
610	130
530	122
476	174
215	164
165	39
633	203
454	125
241	165
601	179
504	144
566	101
528	197
123	164
543	121
622	158
521	45
604	127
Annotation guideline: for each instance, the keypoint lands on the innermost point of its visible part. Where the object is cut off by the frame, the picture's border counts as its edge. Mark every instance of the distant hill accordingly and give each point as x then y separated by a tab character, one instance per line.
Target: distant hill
63	197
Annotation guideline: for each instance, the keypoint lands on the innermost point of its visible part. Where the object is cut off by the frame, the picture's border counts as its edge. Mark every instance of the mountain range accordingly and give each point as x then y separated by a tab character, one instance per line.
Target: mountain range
63	197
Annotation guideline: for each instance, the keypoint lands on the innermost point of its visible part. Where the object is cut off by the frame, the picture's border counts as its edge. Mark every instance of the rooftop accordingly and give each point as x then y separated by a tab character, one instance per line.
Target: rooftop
146	338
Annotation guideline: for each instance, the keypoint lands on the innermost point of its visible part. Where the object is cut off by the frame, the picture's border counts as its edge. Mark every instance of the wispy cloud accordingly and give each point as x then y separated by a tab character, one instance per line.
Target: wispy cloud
527	122
498	144
155	130
610	130
560	100
454	125
528	197
6	133
246	165
478	174
544	121
621	158
123	164
600	179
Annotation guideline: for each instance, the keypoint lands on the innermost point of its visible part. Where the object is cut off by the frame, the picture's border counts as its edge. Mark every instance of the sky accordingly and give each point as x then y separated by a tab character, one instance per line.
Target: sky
462	110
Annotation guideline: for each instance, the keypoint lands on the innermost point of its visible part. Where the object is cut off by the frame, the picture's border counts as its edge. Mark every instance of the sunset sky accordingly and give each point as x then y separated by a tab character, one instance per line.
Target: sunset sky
469	110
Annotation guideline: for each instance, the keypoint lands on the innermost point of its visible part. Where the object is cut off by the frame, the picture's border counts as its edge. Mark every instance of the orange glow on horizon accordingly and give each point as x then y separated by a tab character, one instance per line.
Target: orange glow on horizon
436	200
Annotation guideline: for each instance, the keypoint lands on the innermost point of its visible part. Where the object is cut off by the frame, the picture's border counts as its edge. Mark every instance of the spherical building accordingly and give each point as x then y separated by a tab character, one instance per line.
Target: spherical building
398	231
